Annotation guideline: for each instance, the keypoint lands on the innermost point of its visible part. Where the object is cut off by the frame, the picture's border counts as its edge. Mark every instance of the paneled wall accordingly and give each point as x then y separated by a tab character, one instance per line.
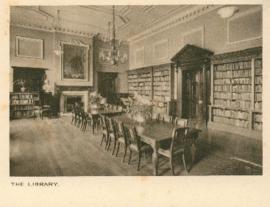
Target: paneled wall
52	62
210	31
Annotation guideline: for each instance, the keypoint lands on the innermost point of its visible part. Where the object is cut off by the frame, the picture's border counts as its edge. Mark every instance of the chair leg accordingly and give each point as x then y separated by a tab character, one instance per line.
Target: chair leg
130	156
184	162
114	146
103	138
117	150
139	161
172	167
123	160
109	143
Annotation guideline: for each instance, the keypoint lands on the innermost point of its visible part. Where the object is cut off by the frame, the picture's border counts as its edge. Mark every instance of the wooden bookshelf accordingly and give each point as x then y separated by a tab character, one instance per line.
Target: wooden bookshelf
140	81
154	83
22	105
237	89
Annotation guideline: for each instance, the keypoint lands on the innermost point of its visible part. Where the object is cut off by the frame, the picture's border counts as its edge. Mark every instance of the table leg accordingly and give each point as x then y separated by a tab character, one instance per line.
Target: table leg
155	158
193	152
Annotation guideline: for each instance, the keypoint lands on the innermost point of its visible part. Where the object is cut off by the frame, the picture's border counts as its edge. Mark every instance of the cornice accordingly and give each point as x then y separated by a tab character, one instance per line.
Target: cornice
174	21
52	29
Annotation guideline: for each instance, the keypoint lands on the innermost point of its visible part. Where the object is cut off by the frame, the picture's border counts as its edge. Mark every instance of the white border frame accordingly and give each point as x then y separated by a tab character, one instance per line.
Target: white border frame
237	16
201	28
86	79
18	38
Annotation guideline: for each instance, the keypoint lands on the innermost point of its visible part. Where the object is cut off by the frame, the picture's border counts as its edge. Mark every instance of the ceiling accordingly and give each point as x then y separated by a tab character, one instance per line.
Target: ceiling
130	19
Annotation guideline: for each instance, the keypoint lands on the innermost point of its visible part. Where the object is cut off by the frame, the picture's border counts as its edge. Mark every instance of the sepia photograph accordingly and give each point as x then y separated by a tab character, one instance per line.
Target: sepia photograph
135	90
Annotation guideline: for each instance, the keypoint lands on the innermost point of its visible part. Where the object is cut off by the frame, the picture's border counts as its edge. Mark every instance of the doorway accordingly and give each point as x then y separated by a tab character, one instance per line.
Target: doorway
107	86
196	94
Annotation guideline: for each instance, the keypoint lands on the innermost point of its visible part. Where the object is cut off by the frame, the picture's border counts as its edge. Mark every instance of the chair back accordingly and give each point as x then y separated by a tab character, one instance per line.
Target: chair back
179	139
131	136
155	116
103	122
109	123
181	122
167	118
120	130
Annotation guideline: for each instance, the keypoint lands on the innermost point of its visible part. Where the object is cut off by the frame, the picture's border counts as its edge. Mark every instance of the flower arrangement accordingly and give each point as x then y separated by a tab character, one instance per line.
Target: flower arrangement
141	108
20	83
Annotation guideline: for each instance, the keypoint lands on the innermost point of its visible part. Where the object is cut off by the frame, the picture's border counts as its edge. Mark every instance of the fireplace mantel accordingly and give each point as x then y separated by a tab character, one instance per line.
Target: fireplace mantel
84	94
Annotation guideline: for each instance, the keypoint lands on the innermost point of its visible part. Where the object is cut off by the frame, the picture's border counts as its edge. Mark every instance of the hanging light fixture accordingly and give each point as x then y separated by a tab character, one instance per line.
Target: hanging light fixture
114	56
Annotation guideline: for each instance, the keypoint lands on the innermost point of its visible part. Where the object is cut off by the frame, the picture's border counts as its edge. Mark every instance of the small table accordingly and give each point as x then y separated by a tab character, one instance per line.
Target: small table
156	132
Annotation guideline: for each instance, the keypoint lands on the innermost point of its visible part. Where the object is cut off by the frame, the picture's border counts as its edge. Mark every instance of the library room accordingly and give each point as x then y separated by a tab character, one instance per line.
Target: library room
136	90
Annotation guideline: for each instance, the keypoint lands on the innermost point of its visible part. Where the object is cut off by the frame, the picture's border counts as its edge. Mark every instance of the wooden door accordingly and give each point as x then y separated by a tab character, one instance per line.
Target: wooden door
107	86
193	107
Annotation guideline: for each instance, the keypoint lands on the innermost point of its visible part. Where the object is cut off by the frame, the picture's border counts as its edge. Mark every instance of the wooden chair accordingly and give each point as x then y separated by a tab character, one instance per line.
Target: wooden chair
121	139
179	122
105	130
176	147
135	145
111	137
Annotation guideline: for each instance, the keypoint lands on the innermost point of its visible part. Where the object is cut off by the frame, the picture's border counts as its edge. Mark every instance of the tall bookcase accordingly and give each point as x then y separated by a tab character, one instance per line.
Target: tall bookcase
140	81
22	105
154	83
236	98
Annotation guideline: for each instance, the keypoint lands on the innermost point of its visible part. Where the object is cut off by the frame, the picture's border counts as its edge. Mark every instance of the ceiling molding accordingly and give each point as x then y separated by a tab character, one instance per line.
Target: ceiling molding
174	21
53	29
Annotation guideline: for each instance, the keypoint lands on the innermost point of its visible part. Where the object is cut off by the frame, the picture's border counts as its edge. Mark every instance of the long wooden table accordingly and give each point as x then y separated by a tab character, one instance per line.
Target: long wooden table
155	132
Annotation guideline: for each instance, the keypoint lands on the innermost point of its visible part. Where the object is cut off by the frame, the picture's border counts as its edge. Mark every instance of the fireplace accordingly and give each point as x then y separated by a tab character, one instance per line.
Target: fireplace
68	98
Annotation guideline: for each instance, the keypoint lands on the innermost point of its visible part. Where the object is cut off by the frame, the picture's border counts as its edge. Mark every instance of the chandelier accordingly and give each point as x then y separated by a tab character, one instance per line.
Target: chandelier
114	56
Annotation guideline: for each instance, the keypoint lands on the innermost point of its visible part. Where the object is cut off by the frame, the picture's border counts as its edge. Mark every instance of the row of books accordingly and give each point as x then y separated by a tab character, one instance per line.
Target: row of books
140	83
233	74
222	81
144	88
19	114
229	121
257	117
257	126
258	71
230	113
258	63
241	88
22	101
23	96
232	104
258	88
258	96
241	81
22	107
234	66
163	78
226	95
225	88
161	88
167	84
258	105
161	73
258	80
140	80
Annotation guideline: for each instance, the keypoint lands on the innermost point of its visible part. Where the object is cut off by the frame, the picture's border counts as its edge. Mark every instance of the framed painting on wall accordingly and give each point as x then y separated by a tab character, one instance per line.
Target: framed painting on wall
74	62
29	47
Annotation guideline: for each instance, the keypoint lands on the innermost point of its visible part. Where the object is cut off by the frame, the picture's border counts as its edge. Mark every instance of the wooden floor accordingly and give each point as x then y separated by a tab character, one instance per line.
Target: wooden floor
55	147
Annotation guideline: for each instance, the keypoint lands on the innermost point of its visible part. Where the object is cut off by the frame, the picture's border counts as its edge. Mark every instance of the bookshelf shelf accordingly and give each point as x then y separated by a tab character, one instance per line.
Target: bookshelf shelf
237	89
22	105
